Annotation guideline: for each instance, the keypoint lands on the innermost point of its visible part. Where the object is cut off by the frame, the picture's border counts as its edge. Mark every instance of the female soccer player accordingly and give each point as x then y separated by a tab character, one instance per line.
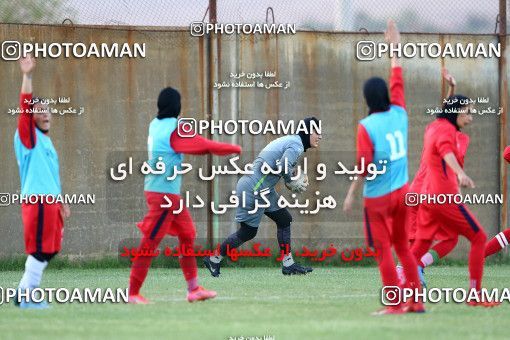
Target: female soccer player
39	173
285	151
165	142
447	240
382	136
445	173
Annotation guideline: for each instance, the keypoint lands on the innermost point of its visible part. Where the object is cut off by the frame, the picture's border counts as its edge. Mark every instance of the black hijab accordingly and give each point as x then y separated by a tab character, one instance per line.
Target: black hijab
376	95
305	136
451	108
169	103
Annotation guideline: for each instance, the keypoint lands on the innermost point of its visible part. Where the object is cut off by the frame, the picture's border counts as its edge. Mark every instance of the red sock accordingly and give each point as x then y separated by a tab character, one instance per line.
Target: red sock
188	263
140	266
477	259
408	261
499	242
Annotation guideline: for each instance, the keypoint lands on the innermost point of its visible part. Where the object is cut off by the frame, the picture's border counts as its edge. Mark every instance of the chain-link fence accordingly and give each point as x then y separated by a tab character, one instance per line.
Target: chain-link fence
433	16
320	65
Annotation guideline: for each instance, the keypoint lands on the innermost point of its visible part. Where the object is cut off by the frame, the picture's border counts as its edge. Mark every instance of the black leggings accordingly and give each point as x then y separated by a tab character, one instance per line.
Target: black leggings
281	217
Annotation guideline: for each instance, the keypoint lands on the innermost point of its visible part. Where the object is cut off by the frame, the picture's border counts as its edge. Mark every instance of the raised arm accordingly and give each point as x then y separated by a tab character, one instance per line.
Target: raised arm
198	145
392	36
397	97
26	123
450	80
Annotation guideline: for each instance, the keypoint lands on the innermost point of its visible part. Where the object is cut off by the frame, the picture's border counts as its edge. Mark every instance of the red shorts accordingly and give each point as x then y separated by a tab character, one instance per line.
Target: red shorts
446	220
441	234
43	227
159	221
385	219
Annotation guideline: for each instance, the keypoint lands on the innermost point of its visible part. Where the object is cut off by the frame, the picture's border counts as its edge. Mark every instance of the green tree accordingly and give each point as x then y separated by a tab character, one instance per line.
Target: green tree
34	11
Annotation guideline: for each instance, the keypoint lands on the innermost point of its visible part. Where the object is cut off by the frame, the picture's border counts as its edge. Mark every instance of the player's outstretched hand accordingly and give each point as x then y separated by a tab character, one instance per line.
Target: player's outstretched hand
392	35
448	77
465	181
27	64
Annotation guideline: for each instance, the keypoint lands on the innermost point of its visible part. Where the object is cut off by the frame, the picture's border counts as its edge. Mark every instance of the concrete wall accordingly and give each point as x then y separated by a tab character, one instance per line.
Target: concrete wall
119	97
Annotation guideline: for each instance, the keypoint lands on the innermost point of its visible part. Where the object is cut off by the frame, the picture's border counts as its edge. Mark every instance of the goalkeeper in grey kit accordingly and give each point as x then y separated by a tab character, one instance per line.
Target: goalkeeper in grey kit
284	151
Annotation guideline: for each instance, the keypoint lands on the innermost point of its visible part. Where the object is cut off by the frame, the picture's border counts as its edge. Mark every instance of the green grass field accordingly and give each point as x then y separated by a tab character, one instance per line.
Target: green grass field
330	303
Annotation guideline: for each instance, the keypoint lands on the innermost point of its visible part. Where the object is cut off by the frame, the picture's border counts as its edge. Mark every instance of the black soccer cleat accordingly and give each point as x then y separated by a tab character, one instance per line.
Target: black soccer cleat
308	269
295	269
214	268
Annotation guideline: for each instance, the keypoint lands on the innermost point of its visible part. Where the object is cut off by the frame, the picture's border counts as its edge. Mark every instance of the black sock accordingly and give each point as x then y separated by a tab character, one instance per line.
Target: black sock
283	235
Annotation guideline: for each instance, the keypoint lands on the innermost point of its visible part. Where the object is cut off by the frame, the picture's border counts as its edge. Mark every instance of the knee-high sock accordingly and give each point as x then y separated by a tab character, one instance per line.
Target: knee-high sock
499	242
141	265
477	259
438	251
283	220
283	236
243	234
387	266
408	261
33	273
188	263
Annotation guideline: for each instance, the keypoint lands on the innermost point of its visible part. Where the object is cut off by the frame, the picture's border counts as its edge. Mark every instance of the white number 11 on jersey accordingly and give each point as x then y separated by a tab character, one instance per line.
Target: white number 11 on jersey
397	147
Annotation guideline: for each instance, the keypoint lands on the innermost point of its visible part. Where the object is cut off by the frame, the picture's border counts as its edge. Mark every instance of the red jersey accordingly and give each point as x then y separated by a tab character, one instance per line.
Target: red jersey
440	139
419	178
